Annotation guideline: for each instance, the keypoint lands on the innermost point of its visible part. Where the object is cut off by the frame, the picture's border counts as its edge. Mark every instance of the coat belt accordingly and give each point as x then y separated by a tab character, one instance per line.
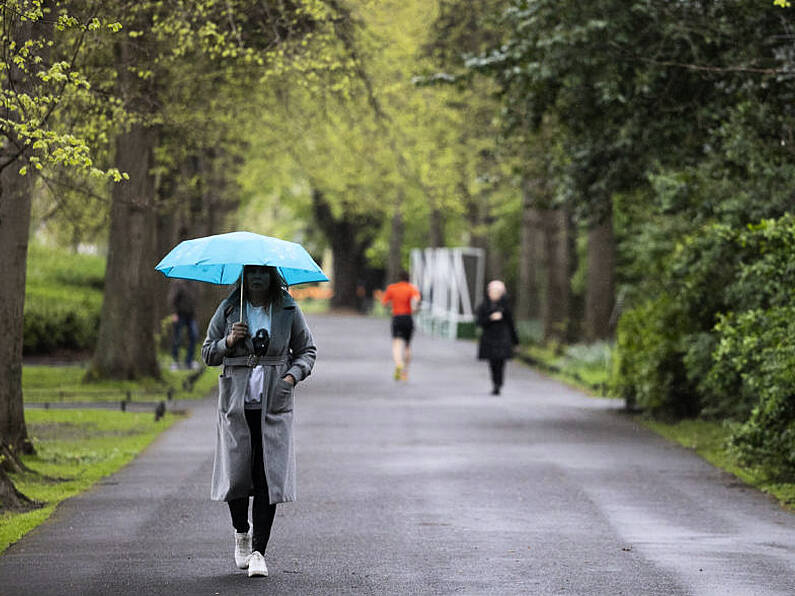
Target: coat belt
254	360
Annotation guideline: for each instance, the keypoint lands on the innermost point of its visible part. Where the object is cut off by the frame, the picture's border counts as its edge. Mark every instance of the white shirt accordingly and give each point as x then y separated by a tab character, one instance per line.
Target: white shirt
258	317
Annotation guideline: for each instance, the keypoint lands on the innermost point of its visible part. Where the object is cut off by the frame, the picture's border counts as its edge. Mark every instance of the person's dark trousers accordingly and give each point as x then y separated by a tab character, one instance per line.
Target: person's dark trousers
262	513
497	373
189	323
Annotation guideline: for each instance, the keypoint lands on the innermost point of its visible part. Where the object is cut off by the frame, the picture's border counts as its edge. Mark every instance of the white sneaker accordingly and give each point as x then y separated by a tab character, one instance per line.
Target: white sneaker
256	565
242	549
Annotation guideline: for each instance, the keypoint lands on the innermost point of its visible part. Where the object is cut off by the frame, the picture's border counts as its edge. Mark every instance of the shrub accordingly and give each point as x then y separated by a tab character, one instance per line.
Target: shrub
718	341
648	368
762	284
665	344
757	353
530	331
60	320
63	299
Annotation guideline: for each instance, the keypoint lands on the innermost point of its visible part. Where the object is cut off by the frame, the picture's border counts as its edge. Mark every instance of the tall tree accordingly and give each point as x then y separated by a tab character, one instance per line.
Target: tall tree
600	293
558	255
41	80
125	342
14	222
528	305
239	42
394	263
349	234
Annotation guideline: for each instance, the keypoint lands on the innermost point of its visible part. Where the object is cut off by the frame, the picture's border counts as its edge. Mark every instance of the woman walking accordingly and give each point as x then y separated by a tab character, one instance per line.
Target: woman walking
265	350
499	333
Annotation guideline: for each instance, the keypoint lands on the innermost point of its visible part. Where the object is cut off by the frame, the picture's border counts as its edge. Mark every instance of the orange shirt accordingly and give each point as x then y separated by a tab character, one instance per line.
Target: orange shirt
400	294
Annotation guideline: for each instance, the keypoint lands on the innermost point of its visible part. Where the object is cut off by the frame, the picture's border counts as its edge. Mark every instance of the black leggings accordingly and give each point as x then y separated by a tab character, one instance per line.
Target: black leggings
262	512
497	372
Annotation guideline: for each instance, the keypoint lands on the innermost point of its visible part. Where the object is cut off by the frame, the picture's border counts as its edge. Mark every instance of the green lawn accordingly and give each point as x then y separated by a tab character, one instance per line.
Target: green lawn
42	383
74	449
63	298
314	306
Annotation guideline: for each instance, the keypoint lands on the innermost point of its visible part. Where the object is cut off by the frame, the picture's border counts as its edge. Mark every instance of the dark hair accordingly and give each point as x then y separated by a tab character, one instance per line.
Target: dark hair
403	275
275	292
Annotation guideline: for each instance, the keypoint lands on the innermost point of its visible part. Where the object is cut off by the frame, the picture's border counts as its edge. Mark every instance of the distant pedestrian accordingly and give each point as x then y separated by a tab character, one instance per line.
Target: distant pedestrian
405	298
254	452
182	299
499	333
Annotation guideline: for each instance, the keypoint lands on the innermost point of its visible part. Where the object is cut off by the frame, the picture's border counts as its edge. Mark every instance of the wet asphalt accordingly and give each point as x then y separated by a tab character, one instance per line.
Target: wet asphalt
432	486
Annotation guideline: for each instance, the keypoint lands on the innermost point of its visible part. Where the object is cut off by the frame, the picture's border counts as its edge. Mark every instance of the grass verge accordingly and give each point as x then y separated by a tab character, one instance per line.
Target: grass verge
44	383
77	447
314	305
586	367
709	440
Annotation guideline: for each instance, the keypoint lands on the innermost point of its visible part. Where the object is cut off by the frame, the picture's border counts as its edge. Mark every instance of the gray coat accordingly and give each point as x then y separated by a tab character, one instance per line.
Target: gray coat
291	351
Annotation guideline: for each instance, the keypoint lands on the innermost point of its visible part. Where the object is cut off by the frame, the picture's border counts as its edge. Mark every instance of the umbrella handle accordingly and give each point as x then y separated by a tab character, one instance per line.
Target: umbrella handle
242	271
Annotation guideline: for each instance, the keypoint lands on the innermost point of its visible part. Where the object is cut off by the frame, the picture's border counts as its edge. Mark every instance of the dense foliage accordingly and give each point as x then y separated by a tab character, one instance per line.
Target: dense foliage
673	122
718	341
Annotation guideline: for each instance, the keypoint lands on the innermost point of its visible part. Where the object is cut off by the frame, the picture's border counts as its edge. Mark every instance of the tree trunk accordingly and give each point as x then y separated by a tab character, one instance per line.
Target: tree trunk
477	214
436	231
166	237
126	347
15	200
495	262
555	314
600	296
395	260
126	344
348	264
349	237
10	498
480	220
219	201
528	304
15	204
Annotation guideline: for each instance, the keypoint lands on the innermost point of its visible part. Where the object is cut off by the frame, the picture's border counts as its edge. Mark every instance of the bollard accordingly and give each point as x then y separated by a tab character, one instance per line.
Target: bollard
170	394
160	410
46	405
123	406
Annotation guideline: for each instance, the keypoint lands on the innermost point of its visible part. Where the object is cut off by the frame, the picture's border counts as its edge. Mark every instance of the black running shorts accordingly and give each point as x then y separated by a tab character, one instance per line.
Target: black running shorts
403	327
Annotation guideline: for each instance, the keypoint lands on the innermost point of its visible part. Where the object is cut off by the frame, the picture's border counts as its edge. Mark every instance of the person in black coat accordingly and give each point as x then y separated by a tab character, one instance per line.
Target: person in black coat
499	333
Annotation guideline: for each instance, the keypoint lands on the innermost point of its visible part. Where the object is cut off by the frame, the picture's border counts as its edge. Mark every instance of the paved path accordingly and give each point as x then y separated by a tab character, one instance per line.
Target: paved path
428	487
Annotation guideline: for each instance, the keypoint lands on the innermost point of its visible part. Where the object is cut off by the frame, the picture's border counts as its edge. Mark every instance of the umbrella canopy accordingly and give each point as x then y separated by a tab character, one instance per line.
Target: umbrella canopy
220	259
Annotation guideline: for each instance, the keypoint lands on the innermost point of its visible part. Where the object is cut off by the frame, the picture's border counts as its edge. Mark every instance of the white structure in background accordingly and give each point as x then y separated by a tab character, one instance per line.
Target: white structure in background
451	282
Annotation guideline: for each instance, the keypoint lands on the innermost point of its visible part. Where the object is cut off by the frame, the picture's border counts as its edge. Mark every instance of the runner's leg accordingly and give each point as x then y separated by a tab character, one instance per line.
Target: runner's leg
398	344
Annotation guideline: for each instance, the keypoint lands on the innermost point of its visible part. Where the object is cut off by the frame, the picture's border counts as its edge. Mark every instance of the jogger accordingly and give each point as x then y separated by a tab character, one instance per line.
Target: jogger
404	298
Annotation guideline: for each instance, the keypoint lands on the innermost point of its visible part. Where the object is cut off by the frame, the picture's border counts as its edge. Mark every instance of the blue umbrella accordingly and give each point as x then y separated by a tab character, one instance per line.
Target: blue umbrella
220	259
